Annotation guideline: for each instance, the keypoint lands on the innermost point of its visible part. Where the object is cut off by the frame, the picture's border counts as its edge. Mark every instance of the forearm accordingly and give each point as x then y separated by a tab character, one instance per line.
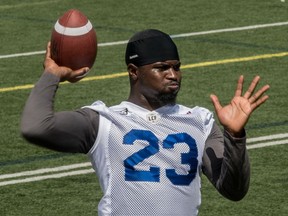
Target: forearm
62	131
226	164
233	182
40	101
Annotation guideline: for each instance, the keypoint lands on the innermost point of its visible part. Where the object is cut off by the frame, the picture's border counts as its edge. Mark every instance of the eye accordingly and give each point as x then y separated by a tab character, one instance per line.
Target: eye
165	67
176	67
162	67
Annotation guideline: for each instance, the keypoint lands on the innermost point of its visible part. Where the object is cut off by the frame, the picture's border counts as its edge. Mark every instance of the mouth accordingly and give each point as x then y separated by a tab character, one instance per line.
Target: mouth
173	86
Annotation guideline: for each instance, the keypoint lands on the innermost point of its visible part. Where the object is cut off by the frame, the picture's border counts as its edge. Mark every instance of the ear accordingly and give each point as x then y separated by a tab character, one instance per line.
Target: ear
132	71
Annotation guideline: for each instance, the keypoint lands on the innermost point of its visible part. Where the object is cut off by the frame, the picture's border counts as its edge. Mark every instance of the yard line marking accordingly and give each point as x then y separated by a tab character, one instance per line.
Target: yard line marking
45	170
191	34
15	88
201	64
266	144
234	60
231	29
113	43
38	173
44	177
26	4
270	137
22	54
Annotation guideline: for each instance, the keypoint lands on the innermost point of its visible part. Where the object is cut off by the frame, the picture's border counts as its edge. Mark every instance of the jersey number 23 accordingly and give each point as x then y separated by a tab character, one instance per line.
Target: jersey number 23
153	175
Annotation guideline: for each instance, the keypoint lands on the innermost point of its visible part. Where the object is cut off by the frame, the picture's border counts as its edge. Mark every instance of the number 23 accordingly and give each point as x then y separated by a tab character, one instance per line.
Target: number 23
153	175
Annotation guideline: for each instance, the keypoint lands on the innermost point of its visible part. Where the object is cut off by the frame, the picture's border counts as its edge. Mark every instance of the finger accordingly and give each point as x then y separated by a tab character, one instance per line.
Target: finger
48	50
252	87
81	73
78	74
259	93
47	55
259	102
216	103
239	87
258	99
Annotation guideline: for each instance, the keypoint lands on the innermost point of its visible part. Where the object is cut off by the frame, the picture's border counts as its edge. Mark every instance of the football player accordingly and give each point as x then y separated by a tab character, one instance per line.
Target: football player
148	151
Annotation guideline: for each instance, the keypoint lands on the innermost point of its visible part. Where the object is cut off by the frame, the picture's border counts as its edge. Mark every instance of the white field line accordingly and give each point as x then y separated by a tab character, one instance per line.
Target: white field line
271	140
266	144
191	34
265	138
231	29
45	170
44	177
10	6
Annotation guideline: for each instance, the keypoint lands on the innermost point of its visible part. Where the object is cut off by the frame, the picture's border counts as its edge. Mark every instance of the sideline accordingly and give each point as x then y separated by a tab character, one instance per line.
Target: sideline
85	168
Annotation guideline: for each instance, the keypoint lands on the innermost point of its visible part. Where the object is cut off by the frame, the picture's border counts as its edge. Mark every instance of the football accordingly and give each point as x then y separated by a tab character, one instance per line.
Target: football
74	41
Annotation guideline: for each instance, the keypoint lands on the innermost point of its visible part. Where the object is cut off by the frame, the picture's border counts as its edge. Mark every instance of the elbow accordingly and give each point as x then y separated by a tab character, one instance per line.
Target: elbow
30	133
45	135
235	192
236	196
34	131
39	137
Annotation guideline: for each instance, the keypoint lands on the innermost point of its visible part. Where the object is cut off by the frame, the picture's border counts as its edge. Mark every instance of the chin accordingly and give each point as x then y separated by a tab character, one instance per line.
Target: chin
168	98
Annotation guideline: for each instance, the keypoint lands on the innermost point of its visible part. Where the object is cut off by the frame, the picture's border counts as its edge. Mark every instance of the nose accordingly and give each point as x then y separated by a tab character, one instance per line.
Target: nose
173	74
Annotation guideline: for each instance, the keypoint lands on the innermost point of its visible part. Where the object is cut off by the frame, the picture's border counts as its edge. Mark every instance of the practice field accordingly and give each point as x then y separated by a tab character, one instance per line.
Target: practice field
217	40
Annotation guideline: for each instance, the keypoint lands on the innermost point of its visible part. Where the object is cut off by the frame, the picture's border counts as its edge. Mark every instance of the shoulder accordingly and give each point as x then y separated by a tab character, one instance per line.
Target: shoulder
202	115
98	106
197	110
102	108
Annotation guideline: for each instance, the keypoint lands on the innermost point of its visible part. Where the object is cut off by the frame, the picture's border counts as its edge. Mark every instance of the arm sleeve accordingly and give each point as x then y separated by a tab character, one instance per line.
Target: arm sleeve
68	131
226	164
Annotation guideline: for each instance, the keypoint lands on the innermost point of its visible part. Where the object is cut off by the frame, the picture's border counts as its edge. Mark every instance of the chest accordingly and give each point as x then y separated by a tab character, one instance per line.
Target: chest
165	149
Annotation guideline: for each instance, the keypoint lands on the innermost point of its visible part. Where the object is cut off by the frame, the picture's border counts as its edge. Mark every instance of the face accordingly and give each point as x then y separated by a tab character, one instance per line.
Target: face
160	80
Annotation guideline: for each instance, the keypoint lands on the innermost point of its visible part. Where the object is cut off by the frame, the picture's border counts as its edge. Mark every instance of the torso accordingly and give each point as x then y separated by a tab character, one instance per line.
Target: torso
149	163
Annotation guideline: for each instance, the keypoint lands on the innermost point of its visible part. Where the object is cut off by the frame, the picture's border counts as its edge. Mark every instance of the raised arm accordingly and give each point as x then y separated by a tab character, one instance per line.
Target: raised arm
69	131
225	160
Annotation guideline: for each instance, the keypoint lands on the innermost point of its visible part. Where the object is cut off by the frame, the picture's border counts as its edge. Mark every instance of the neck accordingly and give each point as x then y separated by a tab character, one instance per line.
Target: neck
152	103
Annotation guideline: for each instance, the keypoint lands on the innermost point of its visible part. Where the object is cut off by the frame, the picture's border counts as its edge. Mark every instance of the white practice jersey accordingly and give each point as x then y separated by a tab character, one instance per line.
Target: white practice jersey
149	163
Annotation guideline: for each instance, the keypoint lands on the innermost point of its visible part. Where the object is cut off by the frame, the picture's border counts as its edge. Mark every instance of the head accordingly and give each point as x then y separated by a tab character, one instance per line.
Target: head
154	68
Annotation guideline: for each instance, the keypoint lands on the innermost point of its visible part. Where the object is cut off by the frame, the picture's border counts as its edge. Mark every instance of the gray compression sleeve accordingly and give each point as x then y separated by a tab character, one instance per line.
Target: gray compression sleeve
71	131
226	164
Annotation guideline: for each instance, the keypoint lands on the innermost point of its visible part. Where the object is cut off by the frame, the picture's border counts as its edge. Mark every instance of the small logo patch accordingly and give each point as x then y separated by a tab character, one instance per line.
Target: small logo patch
124	112
153	117
133	56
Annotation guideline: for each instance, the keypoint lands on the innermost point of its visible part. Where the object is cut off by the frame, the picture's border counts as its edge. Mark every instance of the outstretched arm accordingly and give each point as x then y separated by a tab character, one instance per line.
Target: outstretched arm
225	160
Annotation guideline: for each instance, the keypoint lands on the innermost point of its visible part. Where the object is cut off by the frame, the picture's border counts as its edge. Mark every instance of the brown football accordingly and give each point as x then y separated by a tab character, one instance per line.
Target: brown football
74	41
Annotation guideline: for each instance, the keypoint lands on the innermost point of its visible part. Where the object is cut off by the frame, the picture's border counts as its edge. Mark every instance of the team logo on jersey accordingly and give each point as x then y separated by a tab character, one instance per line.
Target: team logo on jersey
124	112
153	117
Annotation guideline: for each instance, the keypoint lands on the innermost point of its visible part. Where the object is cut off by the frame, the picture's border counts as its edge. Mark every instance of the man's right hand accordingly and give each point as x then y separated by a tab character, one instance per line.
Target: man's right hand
64	73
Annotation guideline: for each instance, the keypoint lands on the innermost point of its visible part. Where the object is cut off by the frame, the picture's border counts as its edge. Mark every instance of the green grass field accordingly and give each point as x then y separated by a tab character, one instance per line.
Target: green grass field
211	63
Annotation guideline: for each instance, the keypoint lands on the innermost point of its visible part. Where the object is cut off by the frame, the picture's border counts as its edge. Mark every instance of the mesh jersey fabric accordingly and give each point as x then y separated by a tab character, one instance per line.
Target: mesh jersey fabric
149	163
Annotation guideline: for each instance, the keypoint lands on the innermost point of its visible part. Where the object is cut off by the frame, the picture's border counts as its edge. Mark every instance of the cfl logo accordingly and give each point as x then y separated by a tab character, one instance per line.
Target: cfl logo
153	117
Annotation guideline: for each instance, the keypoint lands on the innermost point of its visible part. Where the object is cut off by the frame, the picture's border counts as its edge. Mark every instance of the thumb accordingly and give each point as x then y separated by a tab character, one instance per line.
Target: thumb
216	103
78	75
81	72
